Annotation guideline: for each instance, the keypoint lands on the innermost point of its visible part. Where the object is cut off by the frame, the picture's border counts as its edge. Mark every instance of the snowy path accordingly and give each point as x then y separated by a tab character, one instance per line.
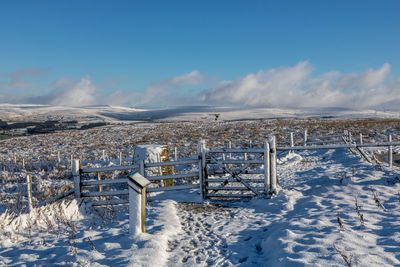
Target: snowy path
215	235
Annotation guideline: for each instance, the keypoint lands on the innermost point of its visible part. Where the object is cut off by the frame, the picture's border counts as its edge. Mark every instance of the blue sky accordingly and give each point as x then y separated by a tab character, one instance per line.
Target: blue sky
194	51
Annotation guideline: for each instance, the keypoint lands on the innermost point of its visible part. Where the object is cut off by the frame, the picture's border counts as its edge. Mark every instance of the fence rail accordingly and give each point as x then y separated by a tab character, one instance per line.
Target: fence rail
221	172
83	188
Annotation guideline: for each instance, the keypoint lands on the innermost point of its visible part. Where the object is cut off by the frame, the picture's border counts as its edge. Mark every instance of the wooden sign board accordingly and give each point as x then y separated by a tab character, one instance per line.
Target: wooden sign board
137	182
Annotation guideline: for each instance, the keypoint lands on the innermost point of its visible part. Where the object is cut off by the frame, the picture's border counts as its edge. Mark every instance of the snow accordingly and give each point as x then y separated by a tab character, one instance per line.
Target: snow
296	227
120	114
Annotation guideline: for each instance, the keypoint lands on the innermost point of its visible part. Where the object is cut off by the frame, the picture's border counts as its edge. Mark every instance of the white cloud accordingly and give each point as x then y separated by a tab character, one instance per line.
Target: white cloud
80	94
289	87
66	92
295	87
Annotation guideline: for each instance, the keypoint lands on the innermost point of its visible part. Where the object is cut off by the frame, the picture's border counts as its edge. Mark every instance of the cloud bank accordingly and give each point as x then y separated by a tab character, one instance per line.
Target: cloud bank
286	87
295	87
66	92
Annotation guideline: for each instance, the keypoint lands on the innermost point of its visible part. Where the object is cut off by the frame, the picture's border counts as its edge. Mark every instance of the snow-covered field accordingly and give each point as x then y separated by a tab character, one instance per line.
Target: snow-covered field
19	112
312	221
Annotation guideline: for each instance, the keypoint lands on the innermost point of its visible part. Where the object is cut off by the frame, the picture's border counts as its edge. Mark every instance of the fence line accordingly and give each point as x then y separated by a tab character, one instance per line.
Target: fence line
204	177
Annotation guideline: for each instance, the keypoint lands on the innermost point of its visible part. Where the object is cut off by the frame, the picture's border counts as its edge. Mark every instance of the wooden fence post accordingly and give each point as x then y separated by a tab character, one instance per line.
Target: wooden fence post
390	152
72	162
199	154
273	159
143	209
176	153
291	141
135	206
267	170
137	203
104	155
23	163
76	169
100	185
204	168
29	184
59	157
305	137
230	146
361	139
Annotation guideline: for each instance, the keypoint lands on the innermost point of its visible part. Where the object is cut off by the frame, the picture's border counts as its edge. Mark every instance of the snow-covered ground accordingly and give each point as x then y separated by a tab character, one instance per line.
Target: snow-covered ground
112	114
312	221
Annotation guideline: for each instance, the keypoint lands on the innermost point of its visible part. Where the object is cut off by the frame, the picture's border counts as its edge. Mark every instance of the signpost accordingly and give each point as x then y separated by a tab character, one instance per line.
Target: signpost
137	203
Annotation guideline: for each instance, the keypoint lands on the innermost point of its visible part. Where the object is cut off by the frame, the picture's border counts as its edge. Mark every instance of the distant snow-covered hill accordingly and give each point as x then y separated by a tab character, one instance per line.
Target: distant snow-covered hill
30	112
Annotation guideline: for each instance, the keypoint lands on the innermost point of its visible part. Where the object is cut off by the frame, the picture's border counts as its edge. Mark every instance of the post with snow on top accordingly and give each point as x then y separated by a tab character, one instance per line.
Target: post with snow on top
390	152
291	141
137	203
29	184
201	151
273	159
267	169
76	173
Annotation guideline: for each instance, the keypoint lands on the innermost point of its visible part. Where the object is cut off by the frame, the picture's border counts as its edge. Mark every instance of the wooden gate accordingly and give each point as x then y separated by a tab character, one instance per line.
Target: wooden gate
238	172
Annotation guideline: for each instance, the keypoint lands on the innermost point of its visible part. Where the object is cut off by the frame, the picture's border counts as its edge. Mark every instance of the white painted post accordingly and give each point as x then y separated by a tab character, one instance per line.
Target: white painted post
390	152
305	137
201	177
104	155
176	153
15	160
273	158
230	146
76	167
100	185
361	139
120	158
291	141
350	137
29	184
135	205
204	168
59	157
23	163
267	176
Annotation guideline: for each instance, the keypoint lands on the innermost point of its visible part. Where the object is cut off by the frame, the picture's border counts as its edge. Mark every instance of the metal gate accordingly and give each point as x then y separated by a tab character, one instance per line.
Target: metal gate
238	172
